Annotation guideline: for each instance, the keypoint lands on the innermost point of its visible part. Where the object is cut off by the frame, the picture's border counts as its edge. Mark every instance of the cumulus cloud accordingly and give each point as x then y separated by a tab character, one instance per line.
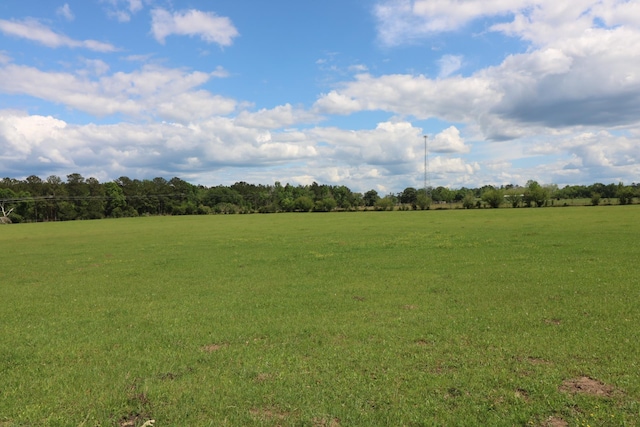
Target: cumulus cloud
275	118
170	94
210	27
33	30
448	141
43	141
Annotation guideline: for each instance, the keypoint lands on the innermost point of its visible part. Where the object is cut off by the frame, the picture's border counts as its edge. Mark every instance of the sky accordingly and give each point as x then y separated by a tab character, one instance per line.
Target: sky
340	92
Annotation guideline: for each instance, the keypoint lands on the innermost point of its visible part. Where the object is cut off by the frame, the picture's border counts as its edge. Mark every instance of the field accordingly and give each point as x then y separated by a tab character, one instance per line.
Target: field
480	317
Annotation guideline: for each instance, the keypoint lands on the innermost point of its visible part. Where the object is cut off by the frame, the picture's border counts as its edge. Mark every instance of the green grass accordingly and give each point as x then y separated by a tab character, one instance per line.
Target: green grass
351	319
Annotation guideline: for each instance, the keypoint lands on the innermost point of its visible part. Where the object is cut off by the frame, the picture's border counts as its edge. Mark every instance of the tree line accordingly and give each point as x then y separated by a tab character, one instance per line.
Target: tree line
53	199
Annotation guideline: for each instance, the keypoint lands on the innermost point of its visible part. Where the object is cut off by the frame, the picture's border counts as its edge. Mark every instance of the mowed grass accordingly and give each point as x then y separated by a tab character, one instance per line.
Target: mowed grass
342	319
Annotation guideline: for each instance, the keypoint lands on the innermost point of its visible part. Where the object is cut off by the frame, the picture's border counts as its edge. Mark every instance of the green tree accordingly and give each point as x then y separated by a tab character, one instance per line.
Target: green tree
535	194
409	196
423	201
493	197
625	194
386	203
116	202
303	204
469	200
514	196
371	197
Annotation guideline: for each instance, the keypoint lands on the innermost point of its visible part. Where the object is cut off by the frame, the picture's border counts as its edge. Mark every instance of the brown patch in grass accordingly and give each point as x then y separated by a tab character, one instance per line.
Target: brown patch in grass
169	376
135	419
262	377
323	422
269	414
586	385
555	422
538	361
522	394
553	321
358	298
210	348
409	307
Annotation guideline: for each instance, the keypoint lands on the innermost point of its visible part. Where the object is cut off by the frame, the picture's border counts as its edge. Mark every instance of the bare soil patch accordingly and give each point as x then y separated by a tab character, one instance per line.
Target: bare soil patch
553	321
538	361
522	394
586	385
210	348
555	422
269	414
323	422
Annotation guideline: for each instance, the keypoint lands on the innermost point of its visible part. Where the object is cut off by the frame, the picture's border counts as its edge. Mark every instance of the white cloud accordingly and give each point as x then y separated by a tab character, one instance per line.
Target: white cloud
65	12
449	64
123	9
275	118
170	94
391	144
33	30
403	21
210	27
448	141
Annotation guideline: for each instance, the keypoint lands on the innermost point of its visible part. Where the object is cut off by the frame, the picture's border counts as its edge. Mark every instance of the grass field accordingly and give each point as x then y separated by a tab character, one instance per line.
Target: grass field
481	317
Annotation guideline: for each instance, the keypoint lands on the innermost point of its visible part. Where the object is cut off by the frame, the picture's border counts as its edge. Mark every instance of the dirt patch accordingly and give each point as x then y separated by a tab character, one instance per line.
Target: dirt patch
555	422
323	422
133	420
269	414
522	394
538	361
358	298
210	348
409	307
168	376
586	385
262	377
553	321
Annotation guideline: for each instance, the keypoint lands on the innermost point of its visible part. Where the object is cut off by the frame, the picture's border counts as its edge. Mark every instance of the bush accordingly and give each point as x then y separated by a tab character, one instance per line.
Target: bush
303	204
468	201
384	204
493	198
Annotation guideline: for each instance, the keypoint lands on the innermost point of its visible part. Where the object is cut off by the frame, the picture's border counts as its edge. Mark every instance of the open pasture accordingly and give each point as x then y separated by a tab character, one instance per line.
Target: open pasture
480	317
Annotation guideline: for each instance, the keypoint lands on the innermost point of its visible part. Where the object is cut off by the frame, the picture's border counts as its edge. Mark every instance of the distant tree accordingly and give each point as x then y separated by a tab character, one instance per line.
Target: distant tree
423	201
595	199
303	204
514	196
371	197
625	194
343	197
409	196
535	194
325	205
6	196
493	197
469	200
385	204
116	202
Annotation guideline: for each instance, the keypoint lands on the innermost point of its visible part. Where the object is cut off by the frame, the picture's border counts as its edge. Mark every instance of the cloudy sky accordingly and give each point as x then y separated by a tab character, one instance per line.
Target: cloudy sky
333	91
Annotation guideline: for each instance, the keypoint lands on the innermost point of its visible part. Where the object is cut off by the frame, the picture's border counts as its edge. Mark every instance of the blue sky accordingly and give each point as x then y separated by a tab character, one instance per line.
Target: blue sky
338	91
